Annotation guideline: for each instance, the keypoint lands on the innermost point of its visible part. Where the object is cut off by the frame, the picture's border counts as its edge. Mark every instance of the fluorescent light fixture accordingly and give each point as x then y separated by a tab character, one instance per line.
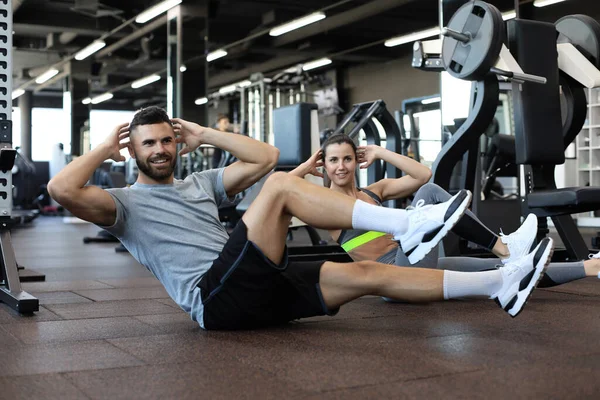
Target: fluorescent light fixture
412	37
431	100
17	93
145	81
101	98
297	23
183	68
89	49
200	101
228	89
291	70
87	100
46	75
156	10
544	3
244	84
316	64
213	55
509	15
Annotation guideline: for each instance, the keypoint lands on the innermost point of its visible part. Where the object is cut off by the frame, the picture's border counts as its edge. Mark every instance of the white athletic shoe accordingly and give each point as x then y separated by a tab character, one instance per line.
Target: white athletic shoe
519	242
428	224
520	277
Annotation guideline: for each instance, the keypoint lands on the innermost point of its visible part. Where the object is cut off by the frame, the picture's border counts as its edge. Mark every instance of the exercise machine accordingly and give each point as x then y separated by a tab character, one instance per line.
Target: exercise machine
565	58
11	292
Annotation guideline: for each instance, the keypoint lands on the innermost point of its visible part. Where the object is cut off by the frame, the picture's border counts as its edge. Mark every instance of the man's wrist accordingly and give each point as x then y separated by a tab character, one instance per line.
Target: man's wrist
105	148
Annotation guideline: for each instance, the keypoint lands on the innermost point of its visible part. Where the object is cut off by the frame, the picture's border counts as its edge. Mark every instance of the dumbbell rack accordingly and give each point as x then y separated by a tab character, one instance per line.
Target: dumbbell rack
10	285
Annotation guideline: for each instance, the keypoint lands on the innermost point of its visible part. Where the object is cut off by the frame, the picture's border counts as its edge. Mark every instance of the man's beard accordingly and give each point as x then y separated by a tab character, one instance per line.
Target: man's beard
152	172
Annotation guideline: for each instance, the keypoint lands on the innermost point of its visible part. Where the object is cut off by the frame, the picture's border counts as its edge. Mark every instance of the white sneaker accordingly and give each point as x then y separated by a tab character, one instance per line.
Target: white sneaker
520	277
519	242
428	224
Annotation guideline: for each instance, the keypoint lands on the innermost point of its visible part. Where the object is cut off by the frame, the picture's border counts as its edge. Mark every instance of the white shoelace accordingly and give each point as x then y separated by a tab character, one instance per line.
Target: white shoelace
515	246
420	203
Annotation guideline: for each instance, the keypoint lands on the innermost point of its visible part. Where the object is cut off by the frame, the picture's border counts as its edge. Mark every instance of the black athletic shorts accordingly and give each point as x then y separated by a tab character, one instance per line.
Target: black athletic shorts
244	289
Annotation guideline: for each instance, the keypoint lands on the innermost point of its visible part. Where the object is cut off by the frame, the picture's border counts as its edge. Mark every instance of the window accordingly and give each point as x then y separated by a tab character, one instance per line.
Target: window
429	123
49	126
102	122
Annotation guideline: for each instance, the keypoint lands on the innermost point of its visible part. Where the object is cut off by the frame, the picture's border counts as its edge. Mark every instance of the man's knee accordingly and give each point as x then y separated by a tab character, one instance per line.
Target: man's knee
277	180
355	274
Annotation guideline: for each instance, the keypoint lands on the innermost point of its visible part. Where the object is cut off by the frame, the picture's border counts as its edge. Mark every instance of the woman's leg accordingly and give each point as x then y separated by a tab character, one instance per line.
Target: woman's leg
469	227
507	247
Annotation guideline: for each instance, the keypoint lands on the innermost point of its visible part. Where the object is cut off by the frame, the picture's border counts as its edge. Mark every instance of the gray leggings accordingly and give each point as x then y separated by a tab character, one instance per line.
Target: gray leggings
470	228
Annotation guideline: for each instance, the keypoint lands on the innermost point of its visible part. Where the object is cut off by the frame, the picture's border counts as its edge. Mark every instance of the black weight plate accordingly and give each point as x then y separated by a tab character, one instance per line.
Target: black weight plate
473	60
573	107
583	32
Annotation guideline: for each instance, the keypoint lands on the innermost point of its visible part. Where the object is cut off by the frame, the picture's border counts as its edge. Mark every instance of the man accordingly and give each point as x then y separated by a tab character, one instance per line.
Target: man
245	280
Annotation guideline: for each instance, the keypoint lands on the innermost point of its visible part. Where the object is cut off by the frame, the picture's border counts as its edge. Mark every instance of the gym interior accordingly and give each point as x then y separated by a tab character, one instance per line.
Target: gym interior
501	98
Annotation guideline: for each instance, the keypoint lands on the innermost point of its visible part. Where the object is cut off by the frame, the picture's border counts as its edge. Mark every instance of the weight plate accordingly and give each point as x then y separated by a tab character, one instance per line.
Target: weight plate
583	32
473	60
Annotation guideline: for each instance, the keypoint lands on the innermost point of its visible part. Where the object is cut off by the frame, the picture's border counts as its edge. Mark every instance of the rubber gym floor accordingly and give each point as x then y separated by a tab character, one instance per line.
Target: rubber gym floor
106	329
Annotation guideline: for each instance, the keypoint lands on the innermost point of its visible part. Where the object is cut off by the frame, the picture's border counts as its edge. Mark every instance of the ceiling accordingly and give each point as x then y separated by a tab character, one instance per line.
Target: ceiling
46	31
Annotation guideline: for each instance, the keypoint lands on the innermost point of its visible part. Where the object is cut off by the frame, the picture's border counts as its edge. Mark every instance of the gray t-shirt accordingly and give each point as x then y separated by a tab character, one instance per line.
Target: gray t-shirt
174	231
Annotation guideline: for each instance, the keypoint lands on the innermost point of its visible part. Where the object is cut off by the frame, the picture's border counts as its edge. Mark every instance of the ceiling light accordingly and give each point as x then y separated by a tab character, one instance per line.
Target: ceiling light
156	10
200	101
89	49
145	81
244	84
316	64
412	37
46	75
215	54
544	3
509	15
183	68
101	98
228	89
431	100
297	23
17	93
87	100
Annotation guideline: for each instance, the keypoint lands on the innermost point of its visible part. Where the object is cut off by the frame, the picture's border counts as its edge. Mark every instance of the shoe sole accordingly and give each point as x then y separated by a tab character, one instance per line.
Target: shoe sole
424	248
524	295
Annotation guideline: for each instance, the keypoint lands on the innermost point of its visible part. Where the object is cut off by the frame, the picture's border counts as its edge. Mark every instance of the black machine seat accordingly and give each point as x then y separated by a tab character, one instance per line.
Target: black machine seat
565	201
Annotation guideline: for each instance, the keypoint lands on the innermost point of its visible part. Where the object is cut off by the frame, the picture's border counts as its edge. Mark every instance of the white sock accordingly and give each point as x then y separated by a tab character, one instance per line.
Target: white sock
370	217
466	284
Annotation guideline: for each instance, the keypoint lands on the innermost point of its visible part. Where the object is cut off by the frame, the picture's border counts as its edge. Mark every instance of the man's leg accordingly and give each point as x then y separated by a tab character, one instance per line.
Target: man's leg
511	285
284	196
269	215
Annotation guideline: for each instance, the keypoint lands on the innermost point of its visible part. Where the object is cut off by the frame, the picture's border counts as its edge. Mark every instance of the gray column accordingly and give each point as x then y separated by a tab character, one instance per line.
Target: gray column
25	105
187	34
80	113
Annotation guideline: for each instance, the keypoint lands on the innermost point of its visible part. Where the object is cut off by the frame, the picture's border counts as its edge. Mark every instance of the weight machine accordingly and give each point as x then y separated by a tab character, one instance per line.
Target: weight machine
11	292
565	55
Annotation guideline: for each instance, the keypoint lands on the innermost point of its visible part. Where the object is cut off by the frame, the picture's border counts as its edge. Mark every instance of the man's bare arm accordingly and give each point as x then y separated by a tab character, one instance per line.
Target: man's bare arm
256	158
89	202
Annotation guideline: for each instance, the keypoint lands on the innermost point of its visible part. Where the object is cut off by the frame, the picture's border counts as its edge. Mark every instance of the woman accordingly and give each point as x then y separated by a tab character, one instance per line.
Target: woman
339	156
